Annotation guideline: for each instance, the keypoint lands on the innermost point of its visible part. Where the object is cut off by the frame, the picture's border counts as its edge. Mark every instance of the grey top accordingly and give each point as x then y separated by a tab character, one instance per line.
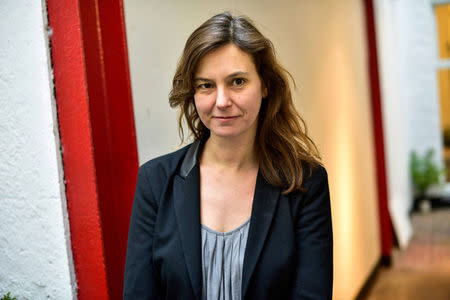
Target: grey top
222	261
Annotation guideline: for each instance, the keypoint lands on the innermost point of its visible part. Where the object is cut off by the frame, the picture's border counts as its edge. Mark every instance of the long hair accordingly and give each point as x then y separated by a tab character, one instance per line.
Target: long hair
282	143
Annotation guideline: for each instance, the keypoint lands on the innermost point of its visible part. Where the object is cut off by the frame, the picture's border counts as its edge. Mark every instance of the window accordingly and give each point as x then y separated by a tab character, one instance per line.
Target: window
442	12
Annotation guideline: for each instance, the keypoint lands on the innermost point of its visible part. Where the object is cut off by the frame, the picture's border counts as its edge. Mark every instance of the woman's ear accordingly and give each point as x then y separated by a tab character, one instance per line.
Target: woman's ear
264	90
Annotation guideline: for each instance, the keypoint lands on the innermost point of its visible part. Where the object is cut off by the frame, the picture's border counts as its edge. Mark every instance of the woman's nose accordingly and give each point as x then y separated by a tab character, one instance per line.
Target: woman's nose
223	98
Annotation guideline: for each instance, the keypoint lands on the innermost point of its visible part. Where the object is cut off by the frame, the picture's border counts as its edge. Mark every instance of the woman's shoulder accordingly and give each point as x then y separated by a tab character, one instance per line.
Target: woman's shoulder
315	177
314	197
313	172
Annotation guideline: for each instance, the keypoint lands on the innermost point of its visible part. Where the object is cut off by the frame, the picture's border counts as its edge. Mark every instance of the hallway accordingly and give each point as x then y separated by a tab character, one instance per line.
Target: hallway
422	271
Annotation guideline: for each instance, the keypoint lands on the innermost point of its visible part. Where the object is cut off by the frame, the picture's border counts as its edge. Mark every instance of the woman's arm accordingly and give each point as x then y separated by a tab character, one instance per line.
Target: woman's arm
140	281
314	238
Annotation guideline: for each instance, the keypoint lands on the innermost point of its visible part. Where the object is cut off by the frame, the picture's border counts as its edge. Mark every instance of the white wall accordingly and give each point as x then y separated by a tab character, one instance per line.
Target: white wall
407	53
323	45
35	255
417	56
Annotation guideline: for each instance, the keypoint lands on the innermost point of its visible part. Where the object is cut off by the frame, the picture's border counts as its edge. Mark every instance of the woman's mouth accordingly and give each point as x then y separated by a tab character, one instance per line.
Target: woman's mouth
225	118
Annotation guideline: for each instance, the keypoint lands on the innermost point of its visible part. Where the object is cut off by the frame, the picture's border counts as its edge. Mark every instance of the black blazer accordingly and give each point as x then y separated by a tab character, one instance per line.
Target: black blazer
289	252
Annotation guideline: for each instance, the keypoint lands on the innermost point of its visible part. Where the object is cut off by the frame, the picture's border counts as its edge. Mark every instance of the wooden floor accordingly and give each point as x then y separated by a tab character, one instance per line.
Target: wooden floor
422	271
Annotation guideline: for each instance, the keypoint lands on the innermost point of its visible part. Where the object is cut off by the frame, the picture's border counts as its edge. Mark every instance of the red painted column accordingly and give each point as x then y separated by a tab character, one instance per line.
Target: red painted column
95	114
385	220
113	130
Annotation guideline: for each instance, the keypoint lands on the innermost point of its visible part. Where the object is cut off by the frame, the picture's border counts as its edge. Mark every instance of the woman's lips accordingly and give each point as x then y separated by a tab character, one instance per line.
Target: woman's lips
221	118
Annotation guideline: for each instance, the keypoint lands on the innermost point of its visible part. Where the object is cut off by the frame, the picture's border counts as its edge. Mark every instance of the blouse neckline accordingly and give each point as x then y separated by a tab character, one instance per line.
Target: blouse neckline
227	232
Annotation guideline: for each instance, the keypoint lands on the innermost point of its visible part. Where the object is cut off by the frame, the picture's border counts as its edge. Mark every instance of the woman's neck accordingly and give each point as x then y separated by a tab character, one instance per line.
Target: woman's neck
233	154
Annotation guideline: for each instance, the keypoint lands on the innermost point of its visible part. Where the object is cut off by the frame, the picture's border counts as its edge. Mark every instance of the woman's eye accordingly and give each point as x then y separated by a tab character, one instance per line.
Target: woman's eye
238	81
204	86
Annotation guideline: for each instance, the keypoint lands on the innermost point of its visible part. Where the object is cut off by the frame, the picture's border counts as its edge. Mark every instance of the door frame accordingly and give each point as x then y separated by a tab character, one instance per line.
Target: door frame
98	138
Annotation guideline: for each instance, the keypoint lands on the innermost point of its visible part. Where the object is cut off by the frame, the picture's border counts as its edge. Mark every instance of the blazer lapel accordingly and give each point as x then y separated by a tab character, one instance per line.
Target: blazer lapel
187	211
263	209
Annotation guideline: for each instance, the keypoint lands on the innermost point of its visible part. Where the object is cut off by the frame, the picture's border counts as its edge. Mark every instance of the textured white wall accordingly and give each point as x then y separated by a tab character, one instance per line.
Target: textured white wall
407	54
35	256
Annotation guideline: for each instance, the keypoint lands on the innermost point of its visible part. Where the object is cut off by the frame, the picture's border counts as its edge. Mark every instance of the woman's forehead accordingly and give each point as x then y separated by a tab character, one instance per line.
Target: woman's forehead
224	61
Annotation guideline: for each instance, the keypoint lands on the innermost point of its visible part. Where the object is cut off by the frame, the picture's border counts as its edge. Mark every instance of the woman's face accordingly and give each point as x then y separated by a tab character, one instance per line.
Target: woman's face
228	92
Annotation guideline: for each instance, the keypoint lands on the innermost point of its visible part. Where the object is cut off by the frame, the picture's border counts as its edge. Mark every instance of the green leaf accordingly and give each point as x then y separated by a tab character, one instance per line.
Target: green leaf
8	297
424	171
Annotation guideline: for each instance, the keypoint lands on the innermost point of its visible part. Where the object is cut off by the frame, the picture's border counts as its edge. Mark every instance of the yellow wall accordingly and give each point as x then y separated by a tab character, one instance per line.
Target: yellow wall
323	44
443	29
335	100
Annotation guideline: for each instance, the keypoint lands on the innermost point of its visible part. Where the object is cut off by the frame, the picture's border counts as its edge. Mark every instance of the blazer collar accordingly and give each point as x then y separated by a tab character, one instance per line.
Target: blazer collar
187	211
191	158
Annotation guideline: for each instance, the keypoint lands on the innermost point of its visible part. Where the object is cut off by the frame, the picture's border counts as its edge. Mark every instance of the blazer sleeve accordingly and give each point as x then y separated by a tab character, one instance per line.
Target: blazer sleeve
140	281
314	239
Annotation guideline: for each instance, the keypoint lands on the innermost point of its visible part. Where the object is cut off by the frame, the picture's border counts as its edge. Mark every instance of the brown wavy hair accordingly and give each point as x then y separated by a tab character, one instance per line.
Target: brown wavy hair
282	143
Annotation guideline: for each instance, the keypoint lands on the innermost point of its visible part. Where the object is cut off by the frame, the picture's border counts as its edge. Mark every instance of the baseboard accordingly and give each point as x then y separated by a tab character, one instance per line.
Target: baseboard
384	261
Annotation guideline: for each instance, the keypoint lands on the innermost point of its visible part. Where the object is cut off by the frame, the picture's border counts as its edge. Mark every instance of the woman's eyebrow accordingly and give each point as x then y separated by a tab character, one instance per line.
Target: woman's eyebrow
234	74
201	79
238	73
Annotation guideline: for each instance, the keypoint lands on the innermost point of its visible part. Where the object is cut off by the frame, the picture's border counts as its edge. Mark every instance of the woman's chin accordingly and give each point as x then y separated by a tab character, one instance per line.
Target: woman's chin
230	134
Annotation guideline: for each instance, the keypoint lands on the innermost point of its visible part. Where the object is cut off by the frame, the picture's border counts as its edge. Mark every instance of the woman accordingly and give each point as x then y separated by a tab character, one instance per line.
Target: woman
244	211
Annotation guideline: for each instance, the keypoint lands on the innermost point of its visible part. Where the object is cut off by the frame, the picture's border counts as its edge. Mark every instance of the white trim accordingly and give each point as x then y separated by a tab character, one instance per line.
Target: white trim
443	64
435	30
439	2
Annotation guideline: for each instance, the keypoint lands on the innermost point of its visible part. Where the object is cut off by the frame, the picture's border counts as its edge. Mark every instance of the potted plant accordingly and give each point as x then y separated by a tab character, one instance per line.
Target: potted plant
425	172
8	297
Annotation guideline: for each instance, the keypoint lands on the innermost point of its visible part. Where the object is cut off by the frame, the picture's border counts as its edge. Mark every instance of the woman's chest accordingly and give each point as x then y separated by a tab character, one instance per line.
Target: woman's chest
226	203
